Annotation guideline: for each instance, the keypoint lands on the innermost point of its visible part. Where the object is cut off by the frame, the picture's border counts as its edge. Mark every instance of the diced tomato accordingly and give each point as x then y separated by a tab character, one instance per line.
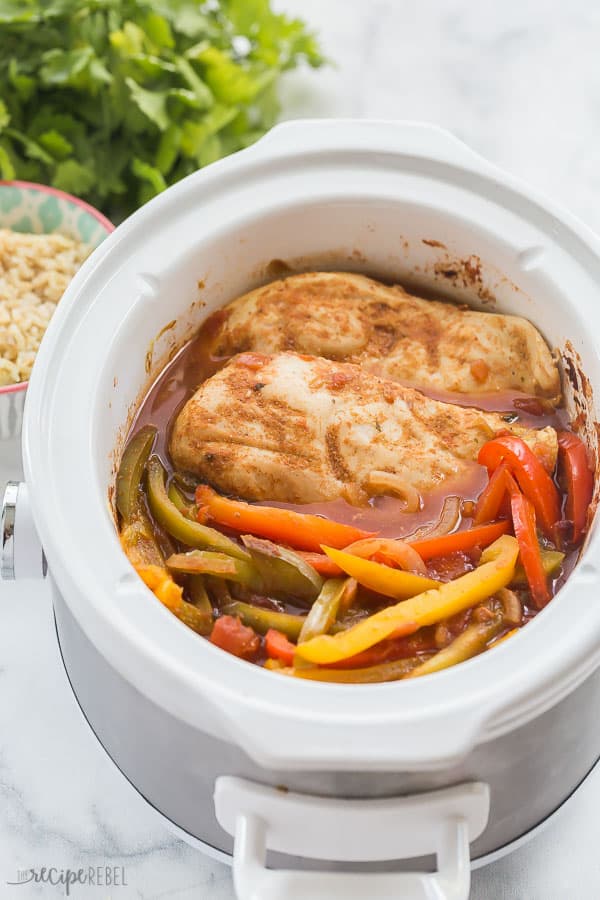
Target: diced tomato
229	633
278	646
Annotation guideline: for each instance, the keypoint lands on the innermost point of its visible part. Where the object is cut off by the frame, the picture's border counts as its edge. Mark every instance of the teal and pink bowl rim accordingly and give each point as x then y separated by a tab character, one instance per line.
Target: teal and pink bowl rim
63	214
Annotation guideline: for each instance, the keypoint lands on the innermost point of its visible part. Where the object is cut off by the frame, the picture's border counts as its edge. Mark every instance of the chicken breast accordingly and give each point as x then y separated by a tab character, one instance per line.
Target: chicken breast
424	343
305	429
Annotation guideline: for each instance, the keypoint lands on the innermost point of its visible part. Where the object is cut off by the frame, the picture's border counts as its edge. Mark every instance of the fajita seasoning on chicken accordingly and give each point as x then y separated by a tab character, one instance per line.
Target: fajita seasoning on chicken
35	270
346	483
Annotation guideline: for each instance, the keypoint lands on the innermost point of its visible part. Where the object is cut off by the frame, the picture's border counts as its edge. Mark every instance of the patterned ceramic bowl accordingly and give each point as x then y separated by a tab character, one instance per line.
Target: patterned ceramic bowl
38	209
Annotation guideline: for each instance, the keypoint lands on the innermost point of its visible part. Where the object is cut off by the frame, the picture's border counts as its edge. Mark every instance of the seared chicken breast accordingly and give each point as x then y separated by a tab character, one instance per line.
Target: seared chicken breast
304	429
424	343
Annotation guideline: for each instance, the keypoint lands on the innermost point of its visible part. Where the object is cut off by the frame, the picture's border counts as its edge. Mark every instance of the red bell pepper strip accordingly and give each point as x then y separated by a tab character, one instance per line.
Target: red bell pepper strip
480	536
490	499
530	474
578	478
284	526
278	646
523	516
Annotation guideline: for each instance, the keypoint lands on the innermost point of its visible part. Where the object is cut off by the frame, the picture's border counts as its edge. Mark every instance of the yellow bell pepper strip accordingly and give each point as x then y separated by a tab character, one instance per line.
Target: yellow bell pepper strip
377	577
390	671
472	641
324	610
262	620
298	530
495	571
131	468
170	595
182	529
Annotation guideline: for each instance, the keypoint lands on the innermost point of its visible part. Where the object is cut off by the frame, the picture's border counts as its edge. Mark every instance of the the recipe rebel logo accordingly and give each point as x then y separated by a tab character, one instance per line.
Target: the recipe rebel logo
92	876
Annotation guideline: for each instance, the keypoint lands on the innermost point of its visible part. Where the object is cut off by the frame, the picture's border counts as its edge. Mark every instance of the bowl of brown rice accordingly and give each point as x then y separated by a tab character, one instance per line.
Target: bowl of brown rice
45	236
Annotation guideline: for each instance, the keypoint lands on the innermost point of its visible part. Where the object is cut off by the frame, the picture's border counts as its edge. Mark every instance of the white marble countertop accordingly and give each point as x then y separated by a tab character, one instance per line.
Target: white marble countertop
519	82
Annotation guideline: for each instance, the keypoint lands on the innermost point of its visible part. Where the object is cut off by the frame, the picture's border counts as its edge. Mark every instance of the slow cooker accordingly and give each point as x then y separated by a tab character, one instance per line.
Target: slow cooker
314	790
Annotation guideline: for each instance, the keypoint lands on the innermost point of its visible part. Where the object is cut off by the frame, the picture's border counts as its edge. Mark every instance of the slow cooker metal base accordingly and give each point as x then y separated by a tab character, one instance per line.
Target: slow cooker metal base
224	856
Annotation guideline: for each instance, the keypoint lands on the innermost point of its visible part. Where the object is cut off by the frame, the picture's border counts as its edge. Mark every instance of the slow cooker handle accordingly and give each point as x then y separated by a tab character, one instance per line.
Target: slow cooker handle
22	554
443	822
422	139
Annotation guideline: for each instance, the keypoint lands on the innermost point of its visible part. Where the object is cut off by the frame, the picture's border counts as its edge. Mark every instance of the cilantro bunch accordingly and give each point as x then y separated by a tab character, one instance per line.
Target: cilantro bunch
113	100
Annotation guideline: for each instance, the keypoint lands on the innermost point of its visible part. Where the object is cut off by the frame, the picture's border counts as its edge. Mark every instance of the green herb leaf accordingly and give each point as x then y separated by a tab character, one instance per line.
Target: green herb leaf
113	100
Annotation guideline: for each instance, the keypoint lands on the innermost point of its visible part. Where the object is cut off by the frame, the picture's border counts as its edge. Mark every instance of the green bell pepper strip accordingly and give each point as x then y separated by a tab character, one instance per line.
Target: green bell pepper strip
262	619
283	572
199	598
131	469
182	529
324	610
551	562
208	562
137	536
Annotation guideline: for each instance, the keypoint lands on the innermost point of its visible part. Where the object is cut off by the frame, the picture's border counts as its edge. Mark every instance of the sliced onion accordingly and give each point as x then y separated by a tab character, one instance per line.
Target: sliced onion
511	607
398	551
389	483
447	522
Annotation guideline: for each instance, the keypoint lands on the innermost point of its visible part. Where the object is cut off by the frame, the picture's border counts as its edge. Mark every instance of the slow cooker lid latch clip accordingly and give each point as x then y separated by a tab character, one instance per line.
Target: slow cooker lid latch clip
260	817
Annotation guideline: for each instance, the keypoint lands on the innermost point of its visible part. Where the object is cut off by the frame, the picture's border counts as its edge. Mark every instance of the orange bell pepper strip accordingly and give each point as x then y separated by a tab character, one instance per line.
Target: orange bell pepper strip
495	571
380	578
530	474
170	595
579	481
278	646
285	526
480	536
